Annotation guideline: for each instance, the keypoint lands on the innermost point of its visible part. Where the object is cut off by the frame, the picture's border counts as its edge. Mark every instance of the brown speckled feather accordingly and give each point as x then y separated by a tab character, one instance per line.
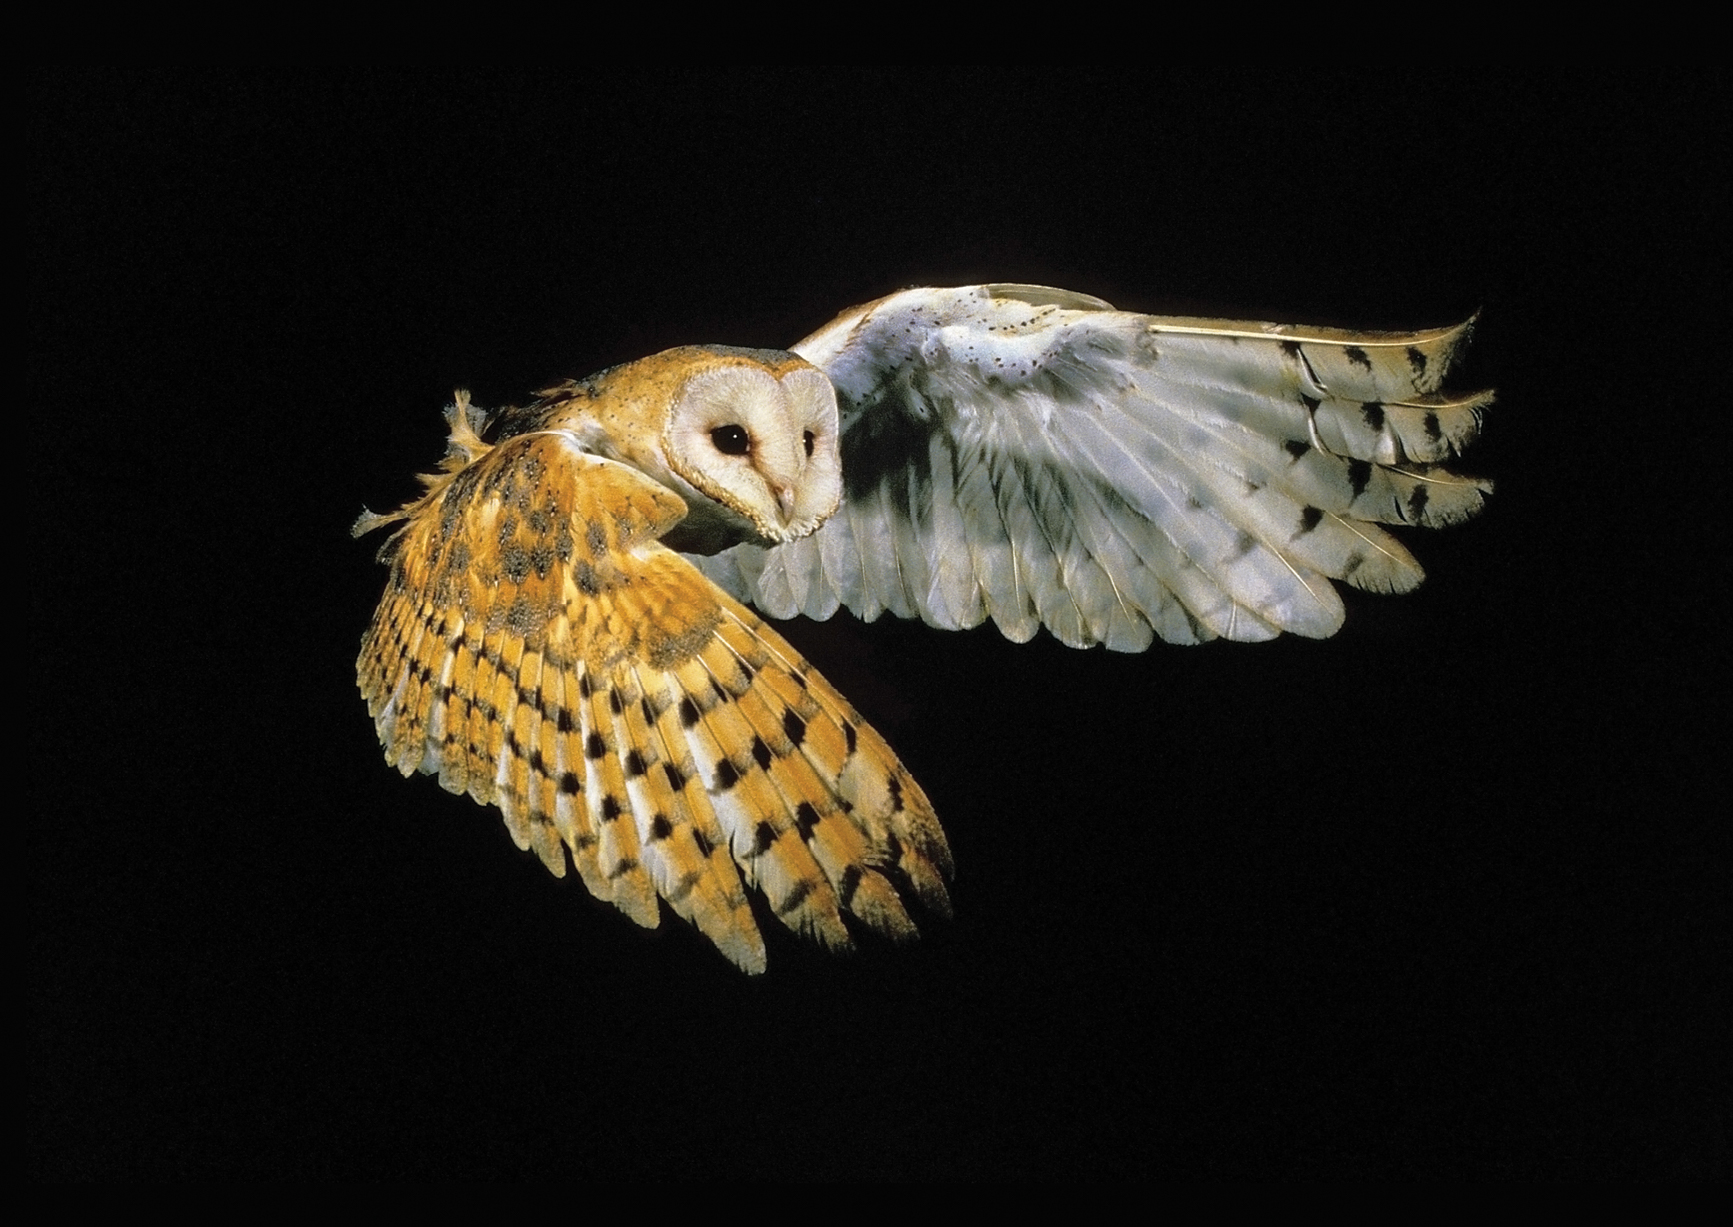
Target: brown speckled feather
540	650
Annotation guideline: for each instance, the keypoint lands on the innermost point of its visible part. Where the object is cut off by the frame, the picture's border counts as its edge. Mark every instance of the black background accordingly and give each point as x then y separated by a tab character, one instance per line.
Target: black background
1431	898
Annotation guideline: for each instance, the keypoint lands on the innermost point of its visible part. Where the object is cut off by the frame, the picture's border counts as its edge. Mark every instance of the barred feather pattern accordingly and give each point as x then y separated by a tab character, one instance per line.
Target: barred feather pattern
1034	456
538	649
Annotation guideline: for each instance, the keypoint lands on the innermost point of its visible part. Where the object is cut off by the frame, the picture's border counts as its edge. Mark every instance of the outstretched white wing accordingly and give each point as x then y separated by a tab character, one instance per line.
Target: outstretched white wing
1036	457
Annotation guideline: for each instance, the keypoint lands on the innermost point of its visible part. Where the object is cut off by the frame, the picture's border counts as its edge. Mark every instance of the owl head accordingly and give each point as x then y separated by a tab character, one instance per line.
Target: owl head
748	437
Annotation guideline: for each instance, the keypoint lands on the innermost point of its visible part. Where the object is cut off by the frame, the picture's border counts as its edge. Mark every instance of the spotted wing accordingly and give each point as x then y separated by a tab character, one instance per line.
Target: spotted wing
1034	456
538	649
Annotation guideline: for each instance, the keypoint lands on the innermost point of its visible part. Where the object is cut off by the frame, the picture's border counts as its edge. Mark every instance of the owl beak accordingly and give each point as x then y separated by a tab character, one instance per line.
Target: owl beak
785	501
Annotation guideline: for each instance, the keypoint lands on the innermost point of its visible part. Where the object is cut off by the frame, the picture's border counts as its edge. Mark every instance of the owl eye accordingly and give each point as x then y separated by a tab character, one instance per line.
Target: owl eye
808	439
732	440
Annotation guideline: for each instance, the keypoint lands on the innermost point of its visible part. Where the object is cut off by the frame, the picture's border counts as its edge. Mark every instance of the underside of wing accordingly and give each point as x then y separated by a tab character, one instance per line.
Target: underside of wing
1035	457
538	649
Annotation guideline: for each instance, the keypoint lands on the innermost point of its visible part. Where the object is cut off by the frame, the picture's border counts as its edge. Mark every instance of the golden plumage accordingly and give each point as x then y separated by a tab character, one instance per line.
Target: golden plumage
540	649
1018	453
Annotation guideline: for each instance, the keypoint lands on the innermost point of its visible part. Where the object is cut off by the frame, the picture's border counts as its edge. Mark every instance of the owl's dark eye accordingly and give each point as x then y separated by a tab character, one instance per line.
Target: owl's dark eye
808	439
731	440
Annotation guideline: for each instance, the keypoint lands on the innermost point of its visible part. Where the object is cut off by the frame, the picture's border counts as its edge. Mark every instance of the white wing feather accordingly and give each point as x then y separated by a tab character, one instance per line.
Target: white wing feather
1036	457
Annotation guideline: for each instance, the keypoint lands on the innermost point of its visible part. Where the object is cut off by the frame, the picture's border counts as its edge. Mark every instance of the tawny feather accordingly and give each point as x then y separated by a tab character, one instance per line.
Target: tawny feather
539	649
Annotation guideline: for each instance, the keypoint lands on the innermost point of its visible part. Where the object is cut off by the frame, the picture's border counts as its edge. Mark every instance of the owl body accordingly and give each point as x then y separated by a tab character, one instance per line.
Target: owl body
1017	453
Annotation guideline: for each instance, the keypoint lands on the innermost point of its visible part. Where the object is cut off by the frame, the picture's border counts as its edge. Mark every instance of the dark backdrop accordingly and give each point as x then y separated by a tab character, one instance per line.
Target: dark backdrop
1431	898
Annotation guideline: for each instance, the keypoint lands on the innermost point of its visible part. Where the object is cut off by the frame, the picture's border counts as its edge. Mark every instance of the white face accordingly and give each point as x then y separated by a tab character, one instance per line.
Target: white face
762	447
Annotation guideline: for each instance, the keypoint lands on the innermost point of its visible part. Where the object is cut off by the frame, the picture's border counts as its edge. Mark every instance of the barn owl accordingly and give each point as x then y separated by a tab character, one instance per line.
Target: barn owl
566	630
